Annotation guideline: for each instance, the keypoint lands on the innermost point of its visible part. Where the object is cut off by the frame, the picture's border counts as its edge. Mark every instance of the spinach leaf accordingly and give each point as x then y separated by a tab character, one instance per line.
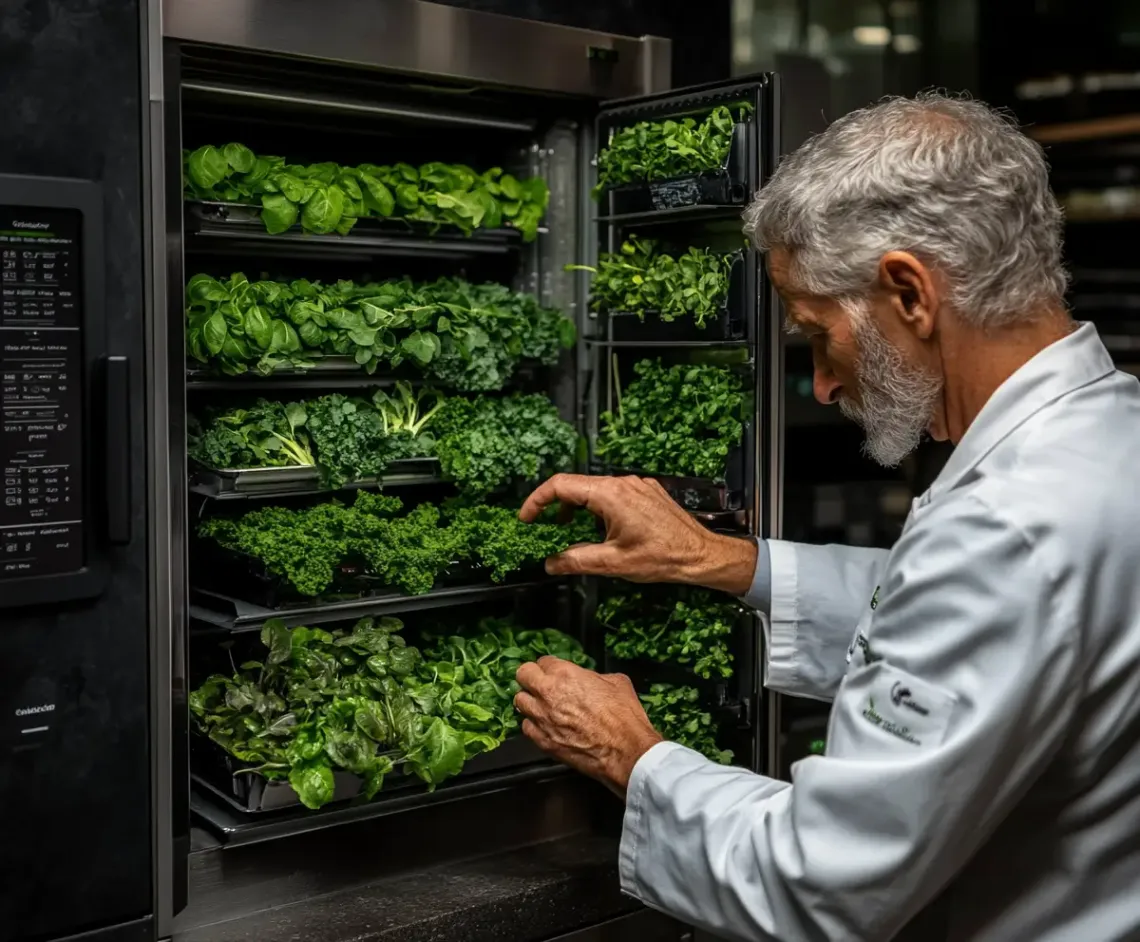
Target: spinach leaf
658	150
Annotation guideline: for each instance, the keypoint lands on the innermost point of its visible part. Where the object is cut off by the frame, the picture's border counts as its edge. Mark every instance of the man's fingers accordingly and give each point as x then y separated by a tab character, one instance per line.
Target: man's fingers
532	678
585	559
528	705
534	733
571	489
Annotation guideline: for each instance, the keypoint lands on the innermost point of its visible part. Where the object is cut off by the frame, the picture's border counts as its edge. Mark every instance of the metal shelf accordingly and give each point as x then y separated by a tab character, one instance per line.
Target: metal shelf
695	213
217	612
244	483
235	829
663	344
226	228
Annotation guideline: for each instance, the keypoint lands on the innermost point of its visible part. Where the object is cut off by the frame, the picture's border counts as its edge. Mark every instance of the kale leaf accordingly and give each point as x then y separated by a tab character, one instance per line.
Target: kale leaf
676	714
309	547
688	628
266	435
677	420
483	444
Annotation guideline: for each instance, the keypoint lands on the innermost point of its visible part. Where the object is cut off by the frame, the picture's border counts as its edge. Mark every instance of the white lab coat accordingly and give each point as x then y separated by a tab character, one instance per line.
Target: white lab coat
984	741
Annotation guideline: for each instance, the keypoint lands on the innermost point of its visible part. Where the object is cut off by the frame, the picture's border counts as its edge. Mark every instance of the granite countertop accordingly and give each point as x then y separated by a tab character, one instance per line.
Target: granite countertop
520	895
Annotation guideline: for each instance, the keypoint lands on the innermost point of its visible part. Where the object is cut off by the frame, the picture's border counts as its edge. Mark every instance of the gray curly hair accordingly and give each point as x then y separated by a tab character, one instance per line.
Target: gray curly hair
949	179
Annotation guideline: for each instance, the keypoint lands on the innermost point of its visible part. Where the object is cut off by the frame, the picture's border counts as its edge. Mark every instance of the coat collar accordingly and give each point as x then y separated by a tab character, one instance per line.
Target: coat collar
1059	369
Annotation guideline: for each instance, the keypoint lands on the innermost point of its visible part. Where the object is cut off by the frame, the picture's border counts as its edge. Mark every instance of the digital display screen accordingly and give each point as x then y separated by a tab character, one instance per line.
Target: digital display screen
41	384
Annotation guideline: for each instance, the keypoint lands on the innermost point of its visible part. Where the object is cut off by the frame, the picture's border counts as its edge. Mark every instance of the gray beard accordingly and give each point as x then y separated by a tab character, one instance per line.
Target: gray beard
897	399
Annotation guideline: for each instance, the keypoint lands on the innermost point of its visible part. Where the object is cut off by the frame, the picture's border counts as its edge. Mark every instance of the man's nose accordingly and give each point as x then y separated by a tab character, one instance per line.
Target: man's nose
825	386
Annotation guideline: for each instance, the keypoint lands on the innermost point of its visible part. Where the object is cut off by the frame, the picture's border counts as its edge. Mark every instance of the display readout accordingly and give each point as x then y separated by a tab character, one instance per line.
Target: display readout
41	401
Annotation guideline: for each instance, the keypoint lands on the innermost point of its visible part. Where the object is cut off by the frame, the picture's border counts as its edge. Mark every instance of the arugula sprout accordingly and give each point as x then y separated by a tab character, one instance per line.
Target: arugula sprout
676	714
266	435
364	701
659	150
327	197
640	279
677	420
308	547
692	629
471	337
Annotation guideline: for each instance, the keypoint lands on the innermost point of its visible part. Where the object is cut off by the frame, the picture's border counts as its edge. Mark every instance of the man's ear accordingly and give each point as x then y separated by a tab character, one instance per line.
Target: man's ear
910	286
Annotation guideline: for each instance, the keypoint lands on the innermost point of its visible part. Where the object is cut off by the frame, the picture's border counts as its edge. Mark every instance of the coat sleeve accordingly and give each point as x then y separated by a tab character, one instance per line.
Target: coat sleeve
810	599
959	701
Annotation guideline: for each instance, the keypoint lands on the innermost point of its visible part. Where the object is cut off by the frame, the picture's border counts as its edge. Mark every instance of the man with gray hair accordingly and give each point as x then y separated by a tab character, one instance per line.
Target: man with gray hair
983	749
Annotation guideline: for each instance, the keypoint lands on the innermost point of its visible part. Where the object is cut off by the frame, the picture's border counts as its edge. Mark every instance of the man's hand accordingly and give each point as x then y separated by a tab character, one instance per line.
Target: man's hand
592	722
648	537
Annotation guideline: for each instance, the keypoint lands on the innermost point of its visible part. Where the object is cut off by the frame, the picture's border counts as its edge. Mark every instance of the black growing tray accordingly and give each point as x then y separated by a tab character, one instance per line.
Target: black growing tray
703	494
728	325
218	571
726	186
252	794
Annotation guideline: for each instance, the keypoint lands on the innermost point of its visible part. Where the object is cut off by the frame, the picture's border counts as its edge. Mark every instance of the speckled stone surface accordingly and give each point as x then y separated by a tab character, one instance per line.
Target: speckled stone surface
520	896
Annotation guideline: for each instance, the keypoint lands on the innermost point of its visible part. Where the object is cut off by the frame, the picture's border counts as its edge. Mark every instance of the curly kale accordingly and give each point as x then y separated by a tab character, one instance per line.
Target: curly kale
308	547
484	443
677	420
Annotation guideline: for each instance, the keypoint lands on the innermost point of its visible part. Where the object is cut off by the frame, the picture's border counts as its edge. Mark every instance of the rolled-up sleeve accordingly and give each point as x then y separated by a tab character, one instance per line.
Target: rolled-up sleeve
959	700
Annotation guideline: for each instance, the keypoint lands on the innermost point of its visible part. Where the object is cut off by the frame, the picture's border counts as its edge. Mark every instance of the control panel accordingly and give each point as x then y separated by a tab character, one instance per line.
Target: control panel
64	398
41	392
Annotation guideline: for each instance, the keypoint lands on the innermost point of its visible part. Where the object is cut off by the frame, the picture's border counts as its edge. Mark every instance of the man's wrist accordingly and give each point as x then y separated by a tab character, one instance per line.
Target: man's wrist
622	770
728	564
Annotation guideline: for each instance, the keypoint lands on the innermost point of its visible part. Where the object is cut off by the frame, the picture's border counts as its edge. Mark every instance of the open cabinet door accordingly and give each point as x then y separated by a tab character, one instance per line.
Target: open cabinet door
681	315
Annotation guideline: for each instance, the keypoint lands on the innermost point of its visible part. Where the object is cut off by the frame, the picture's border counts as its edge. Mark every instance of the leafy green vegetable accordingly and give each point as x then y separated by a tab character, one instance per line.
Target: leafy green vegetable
639	279
328	198
678	420
309	547
692	630
267	435
364	701
483	444
471	337
676	714
658	150
357	439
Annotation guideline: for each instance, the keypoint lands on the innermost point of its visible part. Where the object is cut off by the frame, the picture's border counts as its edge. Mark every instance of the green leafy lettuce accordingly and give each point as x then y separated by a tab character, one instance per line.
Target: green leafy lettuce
365	702
688	628
640	279
329	198
676	714
310	547
658	150
677	420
